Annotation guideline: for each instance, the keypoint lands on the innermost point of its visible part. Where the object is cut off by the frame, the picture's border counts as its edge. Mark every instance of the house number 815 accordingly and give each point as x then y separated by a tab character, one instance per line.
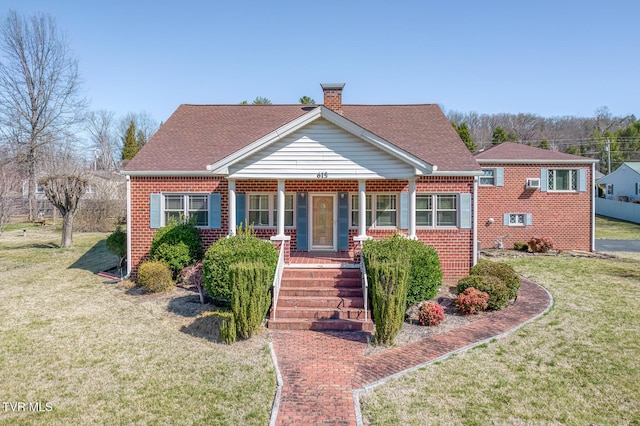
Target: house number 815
322	175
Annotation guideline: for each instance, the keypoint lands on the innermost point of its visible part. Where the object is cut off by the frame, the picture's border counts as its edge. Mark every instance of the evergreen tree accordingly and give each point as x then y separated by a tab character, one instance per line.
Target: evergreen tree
306	100
544	144
465	135
499	136
130	145
259	100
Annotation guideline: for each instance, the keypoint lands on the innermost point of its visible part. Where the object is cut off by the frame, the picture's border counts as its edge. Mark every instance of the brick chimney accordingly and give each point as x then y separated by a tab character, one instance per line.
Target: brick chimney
333	96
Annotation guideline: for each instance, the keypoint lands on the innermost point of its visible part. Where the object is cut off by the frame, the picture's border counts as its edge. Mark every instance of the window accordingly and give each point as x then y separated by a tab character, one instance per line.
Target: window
259	210
191	208
386	213
447	212
424	210
382	210
39	189
355	211
609	189
438	209
563	180
488	177
517	219
288	210
262	210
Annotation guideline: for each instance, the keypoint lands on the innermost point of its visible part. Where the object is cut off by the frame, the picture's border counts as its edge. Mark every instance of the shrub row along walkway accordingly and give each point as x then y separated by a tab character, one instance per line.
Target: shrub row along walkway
321	370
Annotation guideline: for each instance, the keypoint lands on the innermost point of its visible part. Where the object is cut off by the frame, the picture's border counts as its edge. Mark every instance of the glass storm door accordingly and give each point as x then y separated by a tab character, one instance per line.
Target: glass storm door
322	223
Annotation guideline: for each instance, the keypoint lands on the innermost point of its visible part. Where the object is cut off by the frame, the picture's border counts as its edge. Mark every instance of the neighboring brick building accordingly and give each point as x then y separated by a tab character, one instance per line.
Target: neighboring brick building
331	168
531	192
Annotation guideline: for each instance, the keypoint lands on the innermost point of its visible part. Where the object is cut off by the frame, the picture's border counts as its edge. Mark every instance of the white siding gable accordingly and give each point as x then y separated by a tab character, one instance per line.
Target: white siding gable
321	150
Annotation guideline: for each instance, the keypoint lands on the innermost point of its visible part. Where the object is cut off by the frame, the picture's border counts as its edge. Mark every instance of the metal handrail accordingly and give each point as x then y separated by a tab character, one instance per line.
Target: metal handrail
365	286
277	279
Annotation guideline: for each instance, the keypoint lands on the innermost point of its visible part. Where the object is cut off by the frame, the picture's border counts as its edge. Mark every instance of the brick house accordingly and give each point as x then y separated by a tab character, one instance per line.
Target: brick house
527	191
316	178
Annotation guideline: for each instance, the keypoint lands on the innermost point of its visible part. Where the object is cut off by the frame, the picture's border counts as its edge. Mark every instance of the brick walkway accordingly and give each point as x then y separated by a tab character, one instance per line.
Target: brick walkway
321	370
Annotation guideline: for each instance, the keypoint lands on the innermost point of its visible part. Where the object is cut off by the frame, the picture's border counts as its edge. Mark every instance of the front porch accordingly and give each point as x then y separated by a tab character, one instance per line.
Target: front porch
327	259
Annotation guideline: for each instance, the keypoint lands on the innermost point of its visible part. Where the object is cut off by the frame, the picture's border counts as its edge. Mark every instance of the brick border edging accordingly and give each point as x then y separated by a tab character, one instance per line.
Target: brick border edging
360	390
275	407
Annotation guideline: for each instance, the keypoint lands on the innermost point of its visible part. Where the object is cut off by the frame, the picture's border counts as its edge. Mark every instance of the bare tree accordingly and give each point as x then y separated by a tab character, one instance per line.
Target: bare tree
64	184
39	90
9	185
100	125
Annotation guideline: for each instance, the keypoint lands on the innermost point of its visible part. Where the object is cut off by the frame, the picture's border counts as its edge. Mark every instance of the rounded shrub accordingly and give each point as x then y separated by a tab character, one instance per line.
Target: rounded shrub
500	270
471	301
430	313
155	277
493	286
227	251
425	273
177	245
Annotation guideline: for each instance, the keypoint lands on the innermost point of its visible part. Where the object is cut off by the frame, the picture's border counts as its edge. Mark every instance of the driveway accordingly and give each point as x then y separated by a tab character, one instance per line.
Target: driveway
618	245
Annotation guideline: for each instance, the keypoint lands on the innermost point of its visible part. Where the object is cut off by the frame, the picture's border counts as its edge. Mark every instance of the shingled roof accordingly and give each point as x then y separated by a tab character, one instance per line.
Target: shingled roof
510	152
199	135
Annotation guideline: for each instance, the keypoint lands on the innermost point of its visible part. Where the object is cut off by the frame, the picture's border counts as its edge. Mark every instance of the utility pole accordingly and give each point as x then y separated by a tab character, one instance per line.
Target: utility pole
608	156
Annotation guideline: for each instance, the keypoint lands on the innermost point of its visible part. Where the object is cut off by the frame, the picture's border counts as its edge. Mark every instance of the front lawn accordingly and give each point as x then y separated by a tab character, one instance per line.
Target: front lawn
579	364
615	229
96	354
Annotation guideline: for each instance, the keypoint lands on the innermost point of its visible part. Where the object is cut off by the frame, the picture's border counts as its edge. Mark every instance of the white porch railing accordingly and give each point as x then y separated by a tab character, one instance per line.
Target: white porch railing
277	279
365	286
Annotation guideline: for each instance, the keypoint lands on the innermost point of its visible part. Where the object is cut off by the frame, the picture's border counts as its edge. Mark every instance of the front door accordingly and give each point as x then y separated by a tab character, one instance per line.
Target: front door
322	219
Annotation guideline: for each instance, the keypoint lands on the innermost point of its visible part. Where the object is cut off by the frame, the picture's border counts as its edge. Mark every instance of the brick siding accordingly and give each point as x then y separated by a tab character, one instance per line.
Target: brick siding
564	216
453	245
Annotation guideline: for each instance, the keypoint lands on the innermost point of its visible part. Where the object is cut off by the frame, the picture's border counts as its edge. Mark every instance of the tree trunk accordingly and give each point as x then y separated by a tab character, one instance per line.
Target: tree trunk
67	230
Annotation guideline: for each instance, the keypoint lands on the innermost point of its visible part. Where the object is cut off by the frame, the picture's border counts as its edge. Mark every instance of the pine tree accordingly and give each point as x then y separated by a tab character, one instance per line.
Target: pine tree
465	135
130	145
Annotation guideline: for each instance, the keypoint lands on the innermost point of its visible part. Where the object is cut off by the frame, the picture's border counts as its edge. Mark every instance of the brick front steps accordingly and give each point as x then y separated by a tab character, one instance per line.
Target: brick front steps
321	298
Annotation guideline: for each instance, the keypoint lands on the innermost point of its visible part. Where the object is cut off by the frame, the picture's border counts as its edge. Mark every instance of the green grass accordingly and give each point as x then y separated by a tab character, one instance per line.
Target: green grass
579	364
616	229
99	355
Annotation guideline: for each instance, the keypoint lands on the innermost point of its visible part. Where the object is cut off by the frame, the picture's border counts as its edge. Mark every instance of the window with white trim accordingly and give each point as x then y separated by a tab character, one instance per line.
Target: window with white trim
386	211
262	210
193	208
424	210
258	211
562	180
488	177
382	210
516	219
440	210
355	210
288	210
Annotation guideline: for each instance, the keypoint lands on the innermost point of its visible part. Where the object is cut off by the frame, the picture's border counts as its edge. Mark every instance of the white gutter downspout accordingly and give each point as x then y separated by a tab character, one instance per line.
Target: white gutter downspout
475	220
128	228
593	206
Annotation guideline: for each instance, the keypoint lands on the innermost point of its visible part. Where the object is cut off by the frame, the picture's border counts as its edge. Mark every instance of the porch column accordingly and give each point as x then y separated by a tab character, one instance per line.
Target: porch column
362	209
280	207
232	206
412	209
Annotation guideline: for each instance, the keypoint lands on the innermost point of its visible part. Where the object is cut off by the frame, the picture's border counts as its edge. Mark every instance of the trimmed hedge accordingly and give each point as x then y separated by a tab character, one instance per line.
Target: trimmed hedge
425	274
155	277
117	242
493	286
388	288
227	251
500	270
250	296
177	245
